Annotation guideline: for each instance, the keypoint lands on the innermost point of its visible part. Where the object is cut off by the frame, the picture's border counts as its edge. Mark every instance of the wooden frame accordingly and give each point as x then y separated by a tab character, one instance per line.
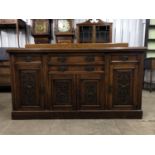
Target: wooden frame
94	26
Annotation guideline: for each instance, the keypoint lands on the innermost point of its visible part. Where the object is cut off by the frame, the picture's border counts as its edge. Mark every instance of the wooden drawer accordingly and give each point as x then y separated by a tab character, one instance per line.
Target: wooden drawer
5	79
4	70
124	58
4	64
28	58
75	59
87	68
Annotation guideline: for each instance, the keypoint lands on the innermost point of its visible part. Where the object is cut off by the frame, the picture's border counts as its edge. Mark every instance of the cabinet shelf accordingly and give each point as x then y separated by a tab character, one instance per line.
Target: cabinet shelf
150	38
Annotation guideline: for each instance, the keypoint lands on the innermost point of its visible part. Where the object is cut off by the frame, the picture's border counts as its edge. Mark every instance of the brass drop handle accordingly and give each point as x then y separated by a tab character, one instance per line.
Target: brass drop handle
63	68
124	58
90	58
89	68
28	58
62	59
29	86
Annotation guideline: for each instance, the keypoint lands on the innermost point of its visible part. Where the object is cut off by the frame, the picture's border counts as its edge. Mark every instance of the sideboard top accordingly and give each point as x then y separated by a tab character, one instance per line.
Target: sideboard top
67	48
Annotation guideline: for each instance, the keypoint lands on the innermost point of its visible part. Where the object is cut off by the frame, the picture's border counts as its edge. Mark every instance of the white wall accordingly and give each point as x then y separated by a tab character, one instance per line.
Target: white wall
124	30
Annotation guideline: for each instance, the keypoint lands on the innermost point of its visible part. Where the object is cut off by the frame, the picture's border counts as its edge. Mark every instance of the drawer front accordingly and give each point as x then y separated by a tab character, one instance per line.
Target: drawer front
87	68
124	58
75	59
28	58
4	64
5	79
4	70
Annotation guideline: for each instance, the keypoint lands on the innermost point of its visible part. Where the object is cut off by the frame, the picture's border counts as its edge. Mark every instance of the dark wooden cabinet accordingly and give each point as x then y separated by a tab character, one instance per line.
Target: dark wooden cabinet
77	82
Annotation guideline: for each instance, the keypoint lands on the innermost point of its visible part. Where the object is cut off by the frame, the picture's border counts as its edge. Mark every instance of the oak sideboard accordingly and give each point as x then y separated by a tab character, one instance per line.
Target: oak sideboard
76	82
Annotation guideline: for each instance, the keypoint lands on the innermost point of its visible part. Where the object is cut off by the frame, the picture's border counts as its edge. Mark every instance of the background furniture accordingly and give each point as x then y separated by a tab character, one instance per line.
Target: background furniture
14	24
4	68
149	65
150	37
92	32
77	82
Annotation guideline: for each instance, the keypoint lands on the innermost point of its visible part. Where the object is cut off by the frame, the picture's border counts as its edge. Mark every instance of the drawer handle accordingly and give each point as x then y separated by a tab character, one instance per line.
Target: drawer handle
29	86
62	68
28	58
62	59
89	68
89	58
124	58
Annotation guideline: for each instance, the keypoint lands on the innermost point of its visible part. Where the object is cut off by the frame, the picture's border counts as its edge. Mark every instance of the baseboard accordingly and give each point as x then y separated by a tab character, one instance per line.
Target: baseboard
107	114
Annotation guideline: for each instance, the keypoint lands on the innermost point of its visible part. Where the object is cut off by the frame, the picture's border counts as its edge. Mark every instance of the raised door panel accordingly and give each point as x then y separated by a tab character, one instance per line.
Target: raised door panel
90	94
123	86
29	88
61	95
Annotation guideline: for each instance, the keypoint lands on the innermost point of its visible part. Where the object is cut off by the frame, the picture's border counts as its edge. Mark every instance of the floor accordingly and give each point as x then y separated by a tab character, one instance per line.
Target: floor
78	127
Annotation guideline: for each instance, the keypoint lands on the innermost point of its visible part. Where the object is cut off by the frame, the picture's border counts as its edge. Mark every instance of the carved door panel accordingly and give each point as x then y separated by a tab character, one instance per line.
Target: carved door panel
29	87
62	92
90	94
123	86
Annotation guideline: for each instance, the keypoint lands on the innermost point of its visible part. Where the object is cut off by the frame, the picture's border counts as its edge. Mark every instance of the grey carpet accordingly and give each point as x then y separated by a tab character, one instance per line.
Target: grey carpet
77	126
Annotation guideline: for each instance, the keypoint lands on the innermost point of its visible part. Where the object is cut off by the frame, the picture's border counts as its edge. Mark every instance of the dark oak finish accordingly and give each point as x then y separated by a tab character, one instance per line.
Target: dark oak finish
77	82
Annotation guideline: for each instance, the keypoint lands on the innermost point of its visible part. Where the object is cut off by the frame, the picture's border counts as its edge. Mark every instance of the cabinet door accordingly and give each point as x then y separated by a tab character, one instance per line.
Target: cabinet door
61	92
123	86
29	87
90	94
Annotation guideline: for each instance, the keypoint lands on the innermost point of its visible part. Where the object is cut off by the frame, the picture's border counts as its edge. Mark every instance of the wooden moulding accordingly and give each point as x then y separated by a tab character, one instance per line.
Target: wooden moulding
77	45
108	114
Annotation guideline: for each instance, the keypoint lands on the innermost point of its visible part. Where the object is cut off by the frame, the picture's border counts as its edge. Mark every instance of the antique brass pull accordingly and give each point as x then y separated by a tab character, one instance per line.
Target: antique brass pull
124	58
28	58
110	89
62	59
89	68
89	58
29	86
63	68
